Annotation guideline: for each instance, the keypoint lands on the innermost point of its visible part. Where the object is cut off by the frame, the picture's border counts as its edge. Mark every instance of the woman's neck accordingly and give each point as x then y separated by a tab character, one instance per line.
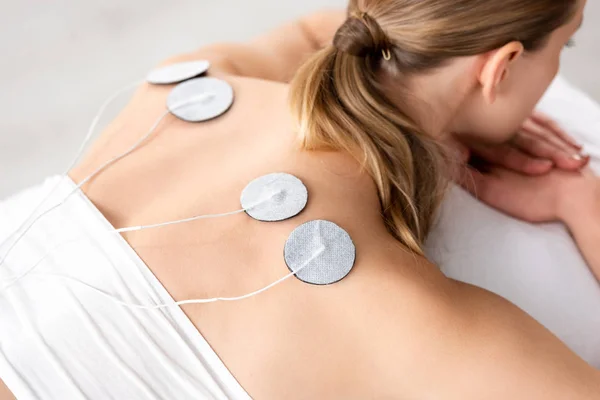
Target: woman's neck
433	99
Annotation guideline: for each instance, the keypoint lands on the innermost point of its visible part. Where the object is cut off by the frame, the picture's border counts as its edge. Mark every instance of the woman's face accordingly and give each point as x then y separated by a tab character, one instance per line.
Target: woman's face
527	80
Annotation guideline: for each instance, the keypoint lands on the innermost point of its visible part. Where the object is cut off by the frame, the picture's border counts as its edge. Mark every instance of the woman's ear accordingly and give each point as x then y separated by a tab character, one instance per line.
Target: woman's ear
496	68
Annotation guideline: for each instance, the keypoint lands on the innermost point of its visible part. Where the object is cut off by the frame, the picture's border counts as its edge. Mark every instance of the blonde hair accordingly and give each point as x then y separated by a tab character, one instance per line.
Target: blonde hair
340	104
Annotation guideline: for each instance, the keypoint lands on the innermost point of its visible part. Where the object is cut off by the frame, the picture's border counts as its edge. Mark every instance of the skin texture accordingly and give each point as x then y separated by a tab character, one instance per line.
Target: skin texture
394	328
5	394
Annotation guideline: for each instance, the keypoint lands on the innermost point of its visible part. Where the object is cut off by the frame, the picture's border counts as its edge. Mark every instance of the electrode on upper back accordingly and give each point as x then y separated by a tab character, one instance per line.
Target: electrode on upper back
317	252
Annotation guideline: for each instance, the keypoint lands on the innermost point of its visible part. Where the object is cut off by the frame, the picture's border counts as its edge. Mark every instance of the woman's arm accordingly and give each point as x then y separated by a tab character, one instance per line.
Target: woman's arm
570	197
586	231
275	56
579	208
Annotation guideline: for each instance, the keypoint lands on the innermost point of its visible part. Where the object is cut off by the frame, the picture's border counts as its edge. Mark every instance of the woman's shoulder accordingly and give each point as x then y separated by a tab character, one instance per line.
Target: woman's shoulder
424	333
256	103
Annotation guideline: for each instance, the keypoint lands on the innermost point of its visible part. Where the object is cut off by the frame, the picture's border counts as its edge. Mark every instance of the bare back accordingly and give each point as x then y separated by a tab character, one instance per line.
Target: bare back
296	336
385	331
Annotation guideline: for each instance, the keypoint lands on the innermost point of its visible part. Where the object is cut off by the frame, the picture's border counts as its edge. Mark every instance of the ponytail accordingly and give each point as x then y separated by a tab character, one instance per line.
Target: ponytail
340	105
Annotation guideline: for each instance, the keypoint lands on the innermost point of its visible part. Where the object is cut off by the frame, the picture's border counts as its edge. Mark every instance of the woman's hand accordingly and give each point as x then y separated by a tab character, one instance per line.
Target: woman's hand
538	147
570	197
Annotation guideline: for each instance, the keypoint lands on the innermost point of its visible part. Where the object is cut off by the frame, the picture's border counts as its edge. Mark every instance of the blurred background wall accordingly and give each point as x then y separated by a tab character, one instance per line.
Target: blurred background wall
60	59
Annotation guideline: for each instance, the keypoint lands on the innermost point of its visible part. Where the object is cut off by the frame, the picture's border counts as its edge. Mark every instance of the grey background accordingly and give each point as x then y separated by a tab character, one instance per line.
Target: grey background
61	59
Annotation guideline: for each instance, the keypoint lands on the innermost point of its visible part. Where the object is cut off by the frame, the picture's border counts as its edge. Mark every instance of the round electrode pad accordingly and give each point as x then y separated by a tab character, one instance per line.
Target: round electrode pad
176	73
274	197
332	265
200	99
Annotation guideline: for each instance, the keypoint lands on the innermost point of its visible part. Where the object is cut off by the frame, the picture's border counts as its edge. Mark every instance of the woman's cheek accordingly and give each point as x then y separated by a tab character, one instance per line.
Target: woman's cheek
551	71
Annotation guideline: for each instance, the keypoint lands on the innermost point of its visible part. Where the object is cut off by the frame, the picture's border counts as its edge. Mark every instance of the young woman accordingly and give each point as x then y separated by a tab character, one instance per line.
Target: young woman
373	107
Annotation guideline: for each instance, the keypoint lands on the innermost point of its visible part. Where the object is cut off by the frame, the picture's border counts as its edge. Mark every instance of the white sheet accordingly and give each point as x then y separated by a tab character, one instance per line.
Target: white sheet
537	267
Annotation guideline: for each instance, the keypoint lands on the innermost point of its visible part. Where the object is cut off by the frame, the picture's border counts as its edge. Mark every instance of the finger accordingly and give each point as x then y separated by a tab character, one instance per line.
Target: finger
545	133
549	123
512	158
536	147
549	135
506	191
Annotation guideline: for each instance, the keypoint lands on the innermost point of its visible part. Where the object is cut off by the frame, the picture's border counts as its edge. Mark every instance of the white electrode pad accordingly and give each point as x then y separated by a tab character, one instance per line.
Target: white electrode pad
333	264
176	73
200	99
274	197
